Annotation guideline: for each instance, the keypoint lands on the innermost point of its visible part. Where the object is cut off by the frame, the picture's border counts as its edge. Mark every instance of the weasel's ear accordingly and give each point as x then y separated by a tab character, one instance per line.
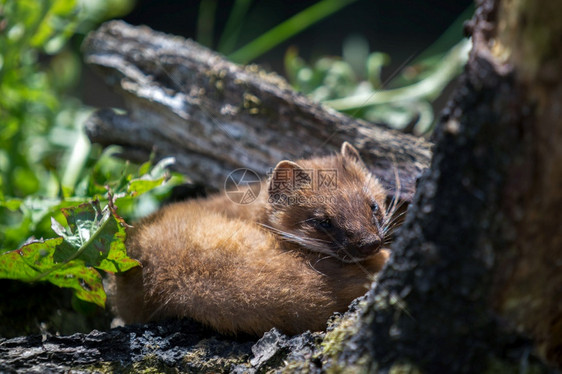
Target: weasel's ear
288	177
351	153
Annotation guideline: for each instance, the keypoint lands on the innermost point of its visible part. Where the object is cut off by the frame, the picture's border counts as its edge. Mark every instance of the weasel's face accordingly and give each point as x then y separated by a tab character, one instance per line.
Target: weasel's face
349	226
343	219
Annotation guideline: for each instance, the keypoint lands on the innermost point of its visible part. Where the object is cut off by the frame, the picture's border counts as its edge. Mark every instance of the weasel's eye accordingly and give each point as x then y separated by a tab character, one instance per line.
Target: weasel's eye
323	223
326	224
375	208
376	211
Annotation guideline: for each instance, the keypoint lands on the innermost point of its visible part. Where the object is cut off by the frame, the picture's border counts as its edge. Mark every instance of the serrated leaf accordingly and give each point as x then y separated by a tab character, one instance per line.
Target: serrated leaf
97	238
28	262
34	262
84	221
113	237
81	218
94	239
85	281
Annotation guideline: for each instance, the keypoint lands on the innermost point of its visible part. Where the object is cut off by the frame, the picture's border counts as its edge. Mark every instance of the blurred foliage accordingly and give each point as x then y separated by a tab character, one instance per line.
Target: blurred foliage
49	173
285	30
41	125
336	83
353	83
93	239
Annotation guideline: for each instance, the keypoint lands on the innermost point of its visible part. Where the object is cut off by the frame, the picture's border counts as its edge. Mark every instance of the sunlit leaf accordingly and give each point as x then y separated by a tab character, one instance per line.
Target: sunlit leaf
86	282
12	204
94	239
150	180
34	262
97	237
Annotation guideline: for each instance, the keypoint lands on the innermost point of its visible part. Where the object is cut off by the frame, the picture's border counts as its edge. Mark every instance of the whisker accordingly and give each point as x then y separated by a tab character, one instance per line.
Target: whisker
393	219
322	259
399	205
306	220
288	234
389	234
312	244
396	208
397	183
394	223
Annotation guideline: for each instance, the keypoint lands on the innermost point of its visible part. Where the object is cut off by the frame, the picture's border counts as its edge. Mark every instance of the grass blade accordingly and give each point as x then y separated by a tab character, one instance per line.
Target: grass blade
206	22
427	88
287	29
233	25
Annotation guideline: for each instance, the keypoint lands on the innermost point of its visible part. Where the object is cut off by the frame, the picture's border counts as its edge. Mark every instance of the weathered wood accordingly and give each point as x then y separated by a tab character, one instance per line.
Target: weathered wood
169	346
127	349
186	101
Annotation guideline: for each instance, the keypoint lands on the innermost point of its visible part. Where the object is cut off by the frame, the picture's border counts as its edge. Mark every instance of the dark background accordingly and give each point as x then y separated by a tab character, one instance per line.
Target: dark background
399	27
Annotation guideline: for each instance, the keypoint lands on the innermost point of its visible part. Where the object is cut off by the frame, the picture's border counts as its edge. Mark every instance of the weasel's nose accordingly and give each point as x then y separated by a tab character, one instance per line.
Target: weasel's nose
370	247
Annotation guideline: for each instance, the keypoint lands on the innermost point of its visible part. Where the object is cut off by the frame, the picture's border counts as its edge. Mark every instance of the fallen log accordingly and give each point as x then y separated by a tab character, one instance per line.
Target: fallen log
214	116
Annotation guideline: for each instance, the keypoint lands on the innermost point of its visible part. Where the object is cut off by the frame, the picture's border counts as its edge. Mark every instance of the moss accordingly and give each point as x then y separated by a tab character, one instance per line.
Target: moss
404	368
216	79
294	367
498	366
333	345
268	77
530	31
251	103
149	365
204	359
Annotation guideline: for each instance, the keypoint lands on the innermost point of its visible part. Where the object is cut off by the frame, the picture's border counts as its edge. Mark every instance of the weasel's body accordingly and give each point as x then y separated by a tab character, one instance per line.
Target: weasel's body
288	261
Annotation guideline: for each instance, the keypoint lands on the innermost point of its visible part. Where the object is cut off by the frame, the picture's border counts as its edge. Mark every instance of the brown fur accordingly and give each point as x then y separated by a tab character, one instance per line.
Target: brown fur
273	263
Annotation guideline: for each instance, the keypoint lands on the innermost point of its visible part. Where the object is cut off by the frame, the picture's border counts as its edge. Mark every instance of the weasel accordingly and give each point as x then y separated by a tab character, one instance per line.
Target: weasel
308	246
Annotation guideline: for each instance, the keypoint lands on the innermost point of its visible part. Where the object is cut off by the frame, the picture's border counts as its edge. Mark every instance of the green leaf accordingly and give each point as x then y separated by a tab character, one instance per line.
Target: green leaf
160	169
29	261
94	239
139	186
229	36
52	26
294	25
428	88
145	168
97	237
150	180
34	261
11	204
85	281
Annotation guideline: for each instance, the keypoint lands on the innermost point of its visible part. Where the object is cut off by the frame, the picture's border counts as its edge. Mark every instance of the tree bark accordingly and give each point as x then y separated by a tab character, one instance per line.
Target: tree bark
214	116
477	261
528	291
